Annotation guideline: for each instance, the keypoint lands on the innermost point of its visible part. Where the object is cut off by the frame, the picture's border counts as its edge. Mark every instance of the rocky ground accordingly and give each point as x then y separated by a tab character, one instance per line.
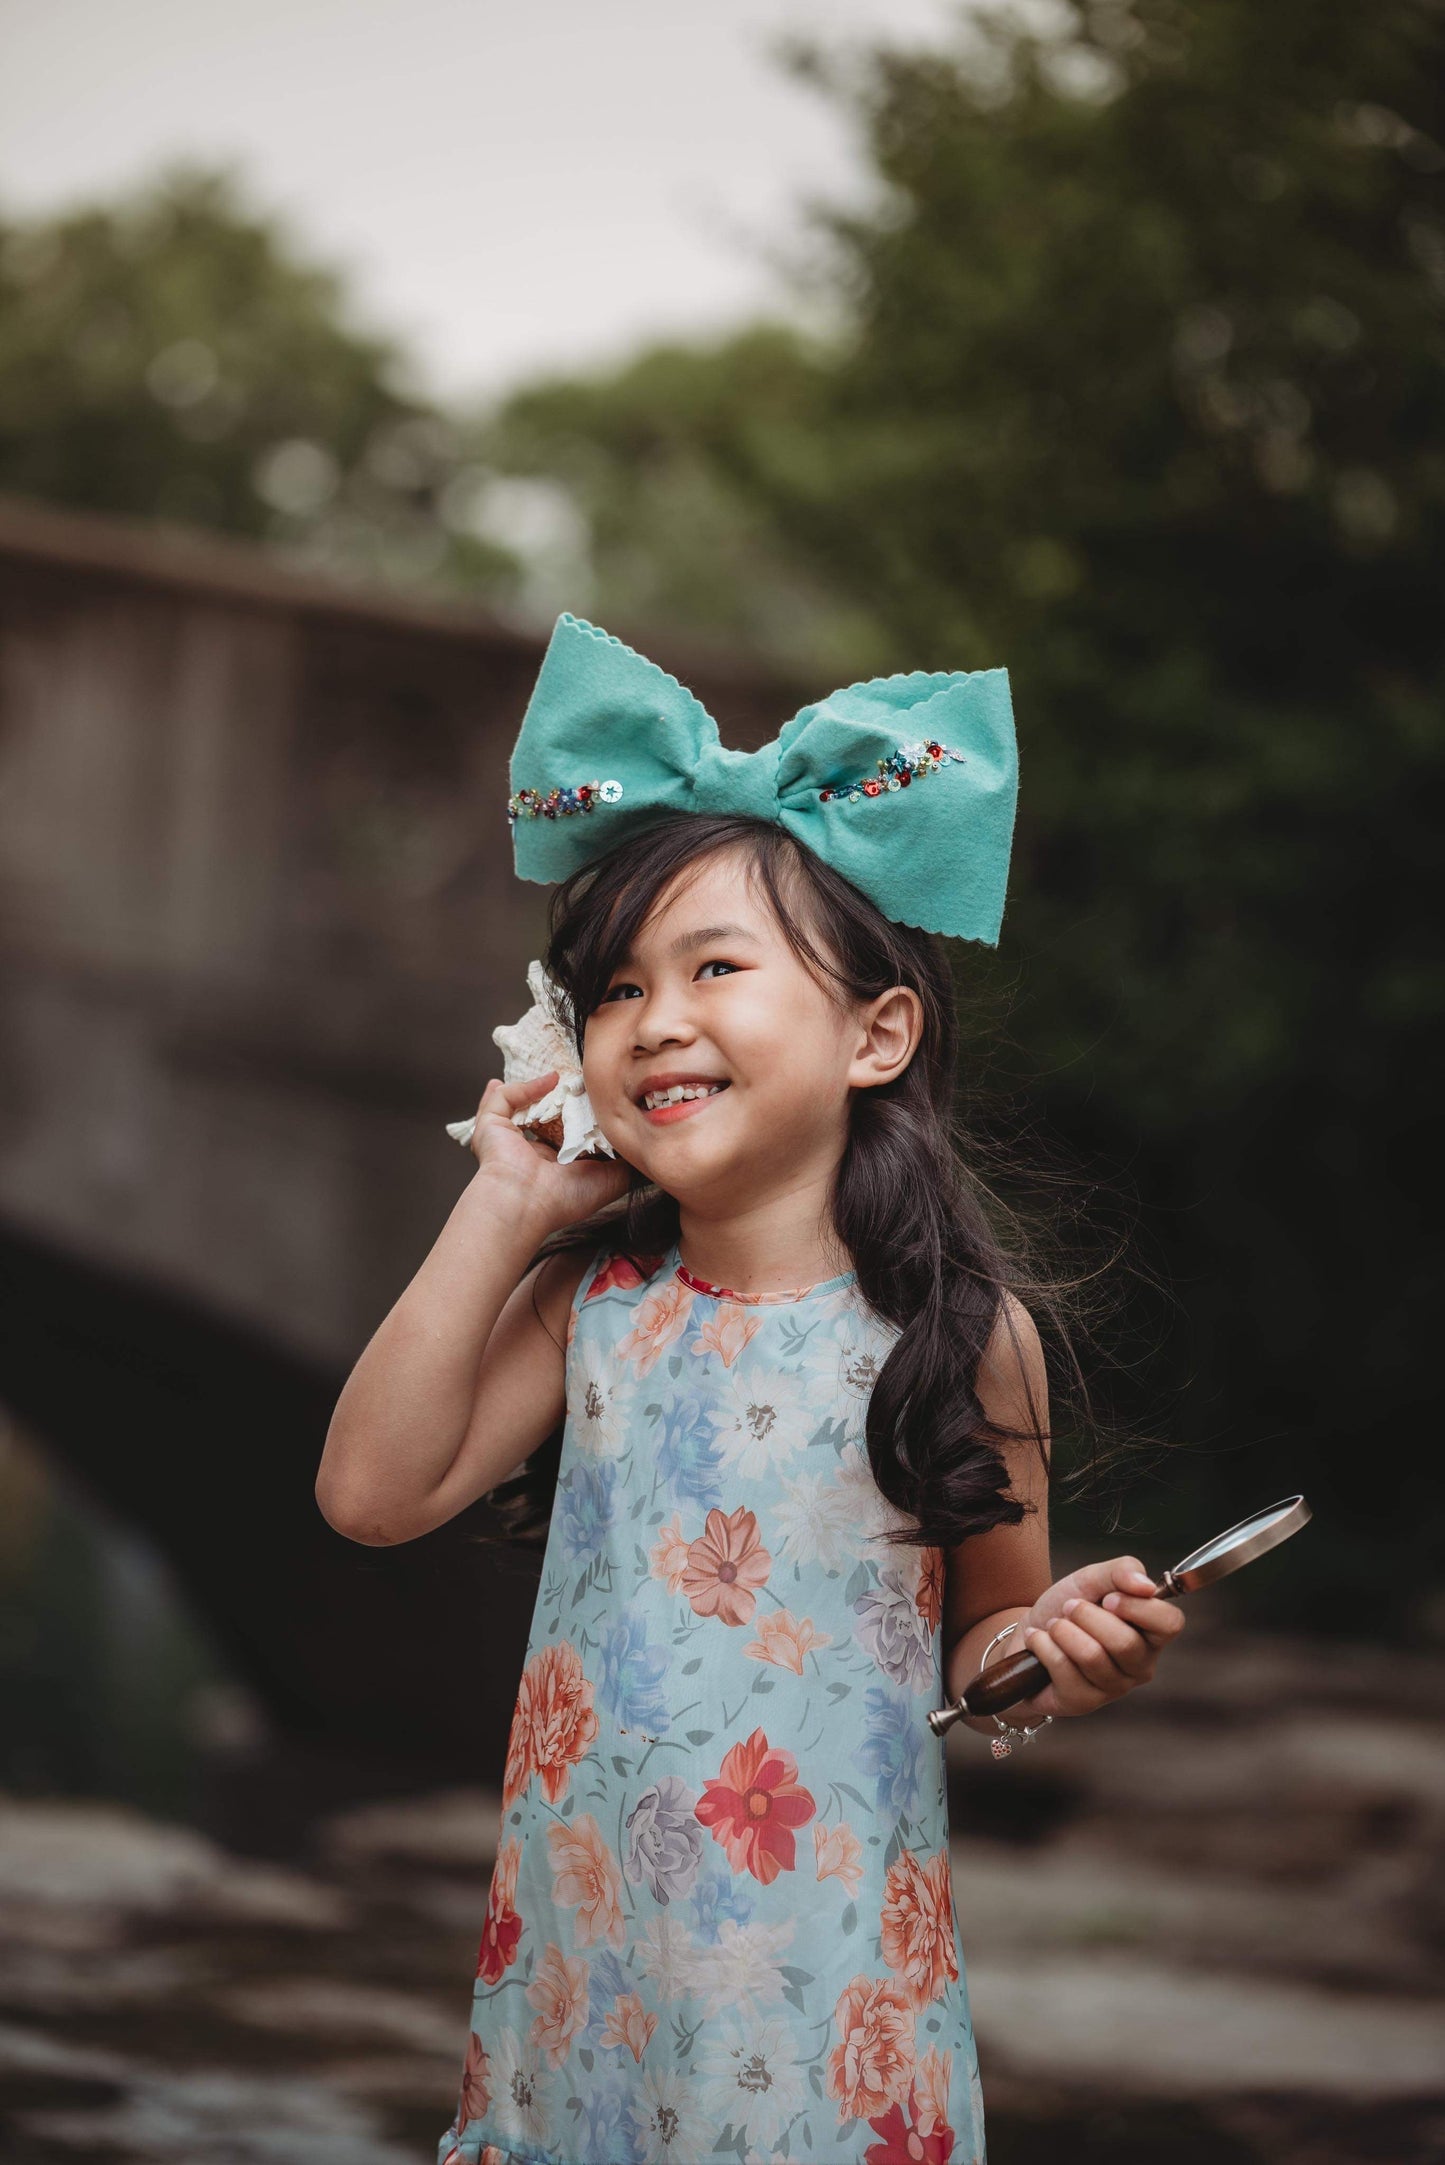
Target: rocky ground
1207	1924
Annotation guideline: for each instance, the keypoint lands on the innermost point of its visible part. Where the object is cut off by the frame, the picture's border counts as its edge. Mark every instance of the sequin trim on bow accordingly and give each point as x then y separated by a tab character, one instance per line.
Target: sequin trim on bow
531	804
897	771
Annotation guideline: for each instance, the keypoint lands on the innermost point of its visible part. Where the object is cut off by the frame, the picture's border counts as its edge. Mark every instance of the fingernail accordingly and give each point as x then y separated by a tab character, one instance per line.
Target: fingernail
1070	1606
1111	1601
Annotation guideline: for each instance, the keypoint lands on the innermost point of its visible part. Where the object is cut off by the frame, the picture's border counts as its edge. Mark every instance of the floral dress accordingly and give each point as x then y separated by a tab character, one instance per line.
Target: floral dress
721	1919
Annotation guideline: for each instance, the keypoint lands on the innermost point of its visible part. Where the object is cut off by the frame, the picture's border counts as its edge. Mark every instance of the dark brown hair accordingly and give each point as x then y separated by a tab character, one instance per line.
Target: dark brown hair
934	1251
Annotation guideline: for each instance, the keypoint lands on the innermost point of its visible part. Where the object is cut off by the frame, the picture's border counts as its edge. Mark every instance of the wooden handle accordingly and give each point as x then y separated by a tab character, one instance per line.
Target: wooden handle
1003	1682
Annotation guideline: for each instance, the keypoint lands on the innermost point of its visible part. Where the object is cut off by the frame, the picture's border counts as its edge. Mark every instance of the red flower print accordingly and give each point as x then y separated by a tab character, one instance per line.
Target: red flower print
917	1926
622	1270
904	2140
476	2088
502	1927
753	1805
725	1564
553	1725
871	2066
928	1594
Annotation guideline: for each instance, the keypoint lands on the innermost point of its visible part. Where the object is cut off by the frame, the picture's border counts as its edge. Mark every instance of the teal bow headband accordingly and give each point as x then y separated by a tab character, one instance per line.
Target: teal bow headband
906	785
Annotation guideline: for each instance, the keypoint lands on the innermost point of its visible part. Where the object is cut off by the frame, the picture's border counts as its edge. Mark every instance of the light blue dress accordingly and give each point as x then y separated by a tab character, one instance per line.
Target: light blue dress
721	1918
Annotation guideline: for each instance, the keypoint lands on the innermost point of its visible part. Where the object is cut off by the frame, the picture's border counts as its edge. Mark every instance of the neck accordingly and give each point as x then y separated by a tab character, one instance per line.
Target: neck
772	1246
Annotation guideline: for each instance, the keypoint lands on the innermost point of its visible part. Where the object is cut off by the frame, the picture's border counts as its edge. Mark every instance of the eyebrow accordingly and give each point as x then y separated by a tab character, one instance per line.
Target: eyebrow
708	936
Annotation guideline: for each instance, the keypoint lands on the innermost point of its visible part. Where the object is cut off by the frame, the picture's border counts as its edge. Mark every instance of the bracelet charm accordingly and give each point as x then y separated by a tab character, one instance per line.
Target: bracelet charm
1002	1745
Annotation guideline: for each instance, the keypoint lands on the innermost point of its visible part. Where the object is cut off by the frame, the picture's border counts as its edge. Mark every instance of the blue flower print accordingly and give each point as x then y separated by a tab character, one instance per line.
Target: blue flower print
688	1457
890	1751
719	1899
632	1672
585	1511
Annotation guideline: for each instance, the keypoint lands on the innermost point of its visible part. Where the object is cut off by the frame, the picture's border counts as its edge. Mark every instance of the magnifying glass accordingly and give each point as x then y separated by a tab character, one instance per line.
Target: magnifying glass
1002	1683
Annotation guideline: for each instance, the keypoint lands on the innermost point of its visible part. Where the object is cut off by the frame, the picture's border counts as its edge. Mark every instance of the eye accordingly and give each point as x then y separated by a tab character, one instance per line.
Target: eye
620	992
716	962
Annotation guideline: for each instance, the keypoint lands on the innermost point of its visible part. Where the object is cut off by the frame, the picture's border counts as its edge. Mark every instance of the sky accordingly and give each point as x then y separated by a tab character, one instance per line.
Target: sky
509	190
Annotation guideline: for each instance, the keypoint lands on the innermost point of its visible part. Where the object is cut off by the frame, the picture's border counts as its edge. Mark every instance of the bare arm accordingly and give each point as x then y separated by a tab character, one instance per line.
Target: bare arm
463	1379
1099	1631
995	1577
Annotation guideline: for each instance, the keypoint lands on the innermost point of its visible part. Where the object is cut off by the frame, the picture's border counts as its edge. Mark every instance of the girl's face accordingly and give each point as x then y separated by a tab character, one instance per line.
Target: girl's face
713	1001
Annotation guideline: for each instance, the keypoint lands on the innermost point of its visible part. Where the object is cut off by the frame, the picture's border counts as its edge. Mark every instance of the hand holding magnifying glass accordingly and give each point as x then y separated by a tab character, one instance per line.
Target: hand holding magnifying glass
1005	1682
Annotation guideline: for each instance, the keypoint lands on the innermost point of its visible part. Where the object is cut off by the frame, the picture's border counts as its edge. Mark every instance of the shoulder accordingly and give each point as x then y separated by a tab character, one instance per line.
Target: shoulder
575	1276
1012	1382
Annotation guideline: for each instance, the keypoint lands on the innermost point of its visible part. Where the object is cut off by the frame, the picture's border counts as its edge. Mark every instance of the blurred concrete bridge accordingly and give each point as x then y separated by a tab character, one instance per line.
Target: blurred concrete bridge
257	918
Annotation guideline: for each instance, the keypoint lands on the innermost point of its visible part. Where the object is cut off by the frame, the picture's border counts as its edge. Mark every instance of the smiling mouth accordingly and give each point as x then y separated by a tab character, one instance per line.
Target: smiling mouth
678	1101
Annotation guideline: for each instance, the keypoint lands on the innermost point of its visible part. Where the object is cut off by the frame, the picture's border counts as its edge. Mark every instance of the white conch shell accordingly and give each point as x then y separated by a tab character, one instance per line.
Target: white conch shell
529	1048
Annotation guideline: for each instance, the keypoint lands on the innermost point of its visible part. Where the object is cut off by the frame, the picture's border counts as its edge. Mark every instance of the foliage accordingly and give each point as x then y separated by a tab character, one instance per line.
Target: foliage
170	356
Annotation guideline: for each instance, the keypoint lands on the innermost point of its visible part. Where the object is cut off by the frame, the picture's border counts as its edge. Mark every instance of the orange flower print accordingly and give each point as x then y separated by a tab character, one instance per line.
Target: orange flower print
725	1564
727	1332
553	1725
931	2079
840	1854
871	2066
917	1926
784	1639
661	1318
621	1270
476	2087
753	1805
559	1994
929	1591
668	1558
628	2024
908	2138
502	1928
586	1876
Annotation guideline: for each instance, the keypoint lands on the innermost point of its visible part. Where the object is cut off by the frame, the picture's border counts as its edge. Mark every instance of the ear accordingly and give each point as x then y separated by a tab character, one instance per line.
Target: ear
888	1034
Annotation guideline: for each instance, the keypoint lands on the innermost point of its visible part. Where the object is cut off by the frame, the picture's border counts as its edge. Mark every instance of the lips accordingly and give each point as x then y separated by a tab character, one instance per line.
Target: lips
664	1099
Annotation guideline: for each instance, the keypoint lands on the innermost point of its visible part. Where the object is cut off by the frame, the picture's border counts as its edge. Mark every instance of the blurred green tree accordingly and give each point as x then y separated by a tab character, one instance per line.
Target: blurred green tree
1137	386
172	356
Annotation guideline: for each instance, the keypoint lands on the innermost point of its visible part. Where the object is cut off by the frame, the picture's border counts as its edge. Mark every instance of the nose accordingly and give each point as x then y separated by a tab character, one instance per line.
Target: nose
659	1019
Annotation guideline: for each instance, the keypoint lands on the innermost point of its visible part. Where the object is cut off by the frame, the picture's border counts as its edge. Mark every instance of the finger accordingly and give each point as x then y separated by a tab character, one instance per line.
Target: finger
1158	1620
1074	1690
1110	1652
512	1097
1123	1574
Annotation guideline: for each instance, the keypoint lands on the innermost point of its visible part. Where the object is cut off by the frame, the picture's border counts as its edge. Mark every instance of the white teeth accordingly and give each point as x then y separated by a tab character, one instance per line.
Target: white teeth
678	1092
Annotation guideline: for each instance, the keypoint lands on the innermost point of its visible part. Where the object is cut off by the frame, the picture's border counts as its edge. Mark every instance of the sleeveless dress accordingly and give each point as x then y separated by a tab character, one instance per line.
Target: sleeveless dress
721	1922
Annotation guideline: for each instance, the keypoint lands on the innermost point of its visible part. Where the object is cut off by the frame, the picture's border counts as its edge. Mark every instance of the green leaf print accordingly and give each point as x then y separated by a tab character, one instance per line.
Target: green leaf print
699	1736
690	1668
674	1366
857	1584
846	1789
762	1683
850	1918
586	2055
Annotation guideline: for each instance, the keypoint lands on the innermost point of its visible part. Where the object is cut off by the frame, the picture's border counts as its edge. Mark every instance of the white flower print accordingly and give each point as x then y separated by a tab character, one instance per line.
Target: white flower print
743	1965
672	2122
764	1420
518	2098
751	2072
666	1952
592	1393
809	1522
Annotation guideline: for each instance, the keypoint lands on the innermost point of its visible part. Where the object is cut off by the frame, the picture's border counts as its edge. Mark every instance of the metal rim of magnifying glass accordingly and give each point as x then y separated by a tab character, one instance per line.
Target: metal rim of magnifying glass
1280	1520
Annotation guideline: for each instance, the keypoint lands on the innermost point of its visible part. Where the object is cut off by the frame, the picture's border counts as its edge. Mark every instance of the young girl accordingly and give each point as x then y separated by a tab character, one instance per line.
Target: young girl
802	1478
